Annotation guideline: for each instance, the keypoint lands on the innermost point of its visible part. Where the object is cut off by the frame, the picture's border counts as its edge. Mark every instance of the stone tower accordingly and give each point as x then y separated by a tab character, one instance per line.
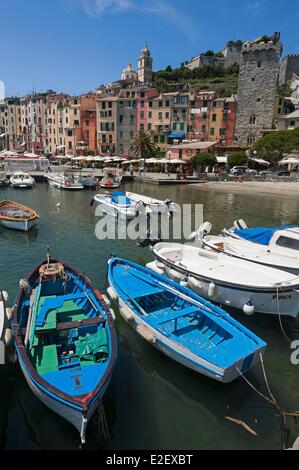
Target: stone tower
145	66
257	87
289	66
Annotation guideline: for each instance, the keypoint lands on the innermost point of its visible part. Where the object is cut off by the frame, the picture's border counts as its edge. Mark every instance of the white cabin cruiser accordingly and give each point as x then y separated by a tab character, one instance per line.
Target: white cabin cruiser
70	182
275	255
152	204
22	180
118	205
229	281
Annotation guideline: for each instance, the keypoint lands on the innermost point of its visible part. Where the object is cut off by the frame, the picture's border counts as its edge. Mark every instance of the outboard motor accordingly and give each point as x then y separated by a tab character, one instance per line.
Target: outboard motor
203	230
240	225
150	240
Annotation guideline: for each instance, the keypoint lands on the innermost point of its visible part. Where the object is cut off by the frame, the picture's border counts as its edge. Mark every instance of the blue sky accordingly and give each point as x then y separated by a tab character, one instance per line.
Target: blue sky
75	45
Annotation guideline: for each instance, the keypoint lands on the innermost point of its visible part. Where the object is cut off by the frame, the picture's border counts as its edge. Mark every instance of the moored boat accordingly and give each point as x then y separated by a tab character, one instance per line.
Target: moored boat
280	250
67	181
154	205
88	181
229	281
111	181
117	204
22	180
181	324
17	216
65	340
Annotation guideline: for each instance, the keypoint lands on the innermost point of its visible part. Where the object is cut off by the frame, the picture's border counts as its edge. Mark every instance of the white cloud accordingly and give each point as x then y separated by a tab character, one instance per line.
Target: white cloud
255	6
160	8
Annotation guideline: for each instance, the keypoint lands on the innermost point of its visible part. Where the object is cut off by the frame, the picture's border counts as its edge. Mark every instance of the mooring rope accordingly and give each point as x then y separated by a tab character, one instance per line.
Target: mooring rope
279	315
273	401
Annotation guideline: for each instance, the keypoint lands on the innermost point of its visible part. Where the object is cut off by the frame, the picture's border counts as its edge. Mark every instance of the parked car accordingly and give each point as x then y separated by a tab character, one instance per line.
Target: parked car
275	171
242	170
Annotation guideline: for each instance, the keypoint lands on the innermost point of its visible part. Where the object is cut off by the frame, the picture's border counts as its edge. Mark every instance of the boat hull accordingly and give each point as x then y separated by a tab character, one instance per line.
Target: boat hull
22	225
114	210
283	301
60	185
74	416
179	354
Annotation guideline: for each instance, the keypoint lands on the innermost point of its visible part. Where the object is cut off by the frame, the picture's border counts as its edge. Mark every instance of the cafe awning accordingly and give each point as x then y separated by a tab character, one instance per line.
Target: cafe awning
176	136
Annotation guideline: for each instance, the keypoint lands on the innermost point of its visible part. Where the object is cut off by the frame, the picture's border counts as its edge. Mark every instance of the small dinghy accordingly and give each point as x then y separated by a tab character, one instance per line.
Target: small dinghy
117	204
22	180
17	216
65	340
181	324
154	205
282	255
230	281
111	181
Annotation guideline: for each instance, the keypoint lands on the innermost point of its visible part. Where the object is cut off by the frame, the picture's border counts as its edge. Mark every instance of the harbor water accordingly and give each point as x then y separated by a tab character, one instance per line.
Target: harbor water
152	402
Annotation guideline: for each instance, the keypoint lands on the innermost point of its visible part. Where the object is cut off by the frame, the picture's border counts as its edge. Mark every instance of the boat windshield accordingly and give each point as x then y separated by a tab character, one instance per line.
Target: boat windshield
288	242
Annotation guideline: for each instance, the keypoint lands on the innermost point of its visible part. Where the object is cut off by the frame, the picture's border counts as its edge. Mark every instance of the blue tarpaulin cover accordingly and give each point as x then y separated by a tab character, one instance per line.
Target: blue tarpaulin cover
176	136
120	198
260	235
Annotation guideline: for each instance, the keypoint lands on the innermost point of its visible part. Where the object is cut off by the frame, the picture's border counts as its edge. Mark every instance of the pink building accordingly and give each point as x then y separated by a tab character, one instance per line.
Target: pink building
187	150
142	108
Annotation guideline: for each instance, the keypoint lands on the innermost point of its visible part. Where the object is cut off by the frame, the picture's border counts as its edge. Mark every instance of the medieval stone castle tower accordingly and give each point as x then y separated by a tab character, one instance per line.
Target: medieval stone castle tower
259	68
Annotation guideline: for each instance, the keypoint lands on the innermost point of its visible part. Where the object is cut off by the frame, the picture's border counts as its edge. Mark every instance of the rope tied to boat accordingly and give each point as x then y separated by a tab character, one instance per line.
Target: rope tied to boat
273	402
279	315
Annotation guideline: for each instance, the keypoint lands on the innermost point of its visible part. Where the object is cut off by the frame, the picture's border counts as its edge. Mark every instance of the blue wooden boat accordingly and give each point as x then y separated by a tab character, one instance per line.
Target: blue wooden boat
181	324
65	340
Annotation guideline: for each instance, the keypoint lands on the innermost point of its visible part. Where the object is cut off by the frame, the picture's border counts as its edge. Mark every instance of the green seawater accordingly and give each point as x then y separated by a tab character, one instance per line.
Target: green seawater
152	402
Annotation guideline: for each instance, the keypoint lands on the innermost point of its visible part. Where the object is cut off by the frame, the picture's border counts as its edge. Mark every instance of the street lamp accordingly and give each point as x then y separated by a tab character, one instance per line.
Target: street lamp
169	155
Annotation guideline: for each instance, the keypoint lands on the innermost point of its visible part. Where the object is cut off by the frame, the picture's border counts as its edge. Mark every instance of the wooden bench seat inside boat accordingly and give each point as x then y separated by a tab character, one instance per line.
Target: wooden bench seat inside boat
49	303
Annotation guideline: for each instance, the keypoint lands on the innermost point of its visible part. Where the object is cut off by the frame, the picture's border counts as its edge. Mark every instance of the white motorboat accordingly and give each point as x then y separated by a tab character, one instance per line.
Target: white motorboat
22	180
154	205
66	181
116	204
279	253
229	281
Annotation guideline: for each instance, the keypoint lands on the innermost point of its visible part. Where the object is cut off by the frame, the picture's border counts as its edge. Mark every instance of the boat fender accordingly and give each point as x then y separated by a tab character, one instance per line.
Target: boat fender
194	283
106	300
5	296
184	282
126	313
174	274
159	264
248	308
112	313
8	312
112	294
8	336
24	284
146	333
212	289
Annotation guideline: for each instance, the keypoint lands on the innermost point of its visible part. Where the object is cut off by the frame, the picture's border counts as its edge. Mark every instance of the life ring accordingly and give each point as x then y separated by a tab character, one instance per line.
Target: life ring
51	270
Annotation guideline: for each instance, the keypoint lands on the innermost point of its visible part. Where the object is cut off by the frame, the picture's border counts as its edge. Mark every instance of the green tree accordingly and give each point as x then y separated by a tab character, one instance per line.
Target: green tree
143	146
203	159
272	146
237	158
